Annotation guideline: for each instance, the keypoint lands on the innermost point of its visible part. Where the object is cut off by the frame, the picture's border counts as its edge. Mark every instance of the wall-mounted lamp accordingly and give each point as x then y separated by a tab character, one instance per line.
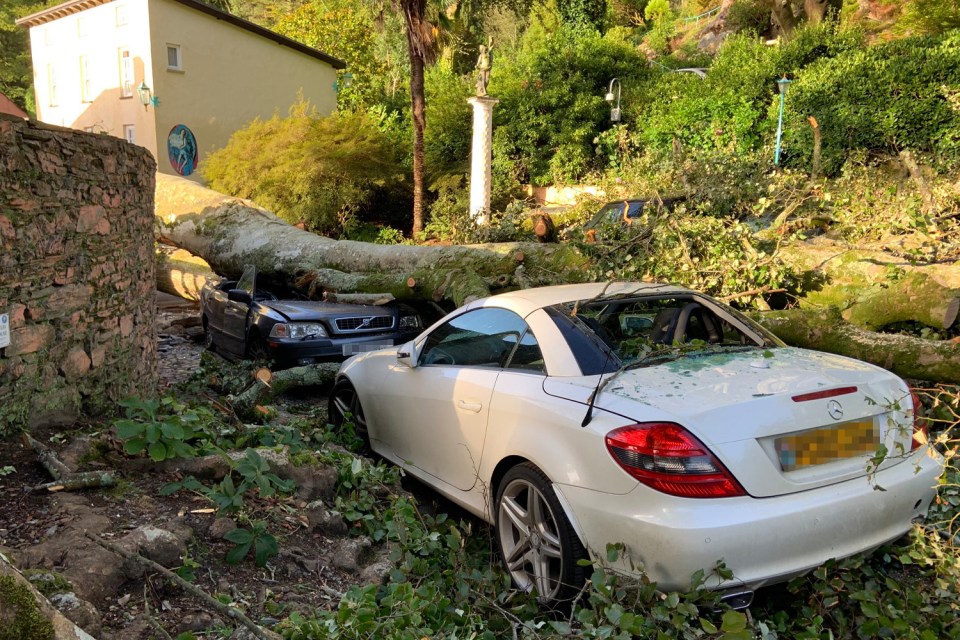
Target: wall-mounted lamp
345	82
146	96
614	100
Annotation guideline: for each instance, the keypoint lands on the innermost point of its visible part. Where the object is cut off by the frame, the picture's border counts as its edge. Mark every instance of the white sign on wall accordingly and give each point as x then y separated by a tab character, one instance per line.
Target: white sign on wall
4	330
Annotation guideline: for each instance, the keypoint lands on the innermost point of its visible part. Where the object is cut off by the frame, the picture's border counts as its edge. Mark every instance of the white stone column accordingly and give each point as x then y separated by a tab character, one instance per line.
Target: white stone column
481	157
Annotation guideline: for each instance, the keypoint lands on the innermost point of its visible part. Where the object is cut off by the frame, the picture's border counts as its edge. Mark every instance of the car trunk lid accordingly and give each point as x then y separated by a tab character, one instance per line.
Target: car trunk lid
782	420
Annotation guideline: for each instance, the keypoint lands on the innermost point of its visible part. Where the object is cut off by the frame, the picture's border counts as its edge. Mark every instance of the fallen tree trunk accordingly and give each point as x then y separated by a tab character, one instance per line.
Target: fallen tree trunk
907	356
874	288
182	274
230	233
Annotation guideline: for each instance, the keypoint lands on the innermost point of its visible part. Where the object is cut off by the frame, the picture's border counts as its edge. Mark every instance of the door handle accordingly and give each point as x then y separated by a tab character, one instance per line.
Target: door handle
469	406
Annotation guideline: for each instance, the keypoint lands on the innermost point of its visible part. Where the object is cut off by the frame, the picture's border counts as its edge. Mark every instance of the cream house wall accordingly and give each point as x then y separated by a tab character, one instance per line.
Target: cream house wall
97	34
229	77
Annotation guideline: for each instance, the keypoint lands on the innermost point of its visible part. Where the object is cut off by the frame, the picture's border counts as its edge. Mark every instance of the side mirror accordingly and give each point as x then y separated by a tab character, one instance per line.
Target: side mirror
407	354
239	295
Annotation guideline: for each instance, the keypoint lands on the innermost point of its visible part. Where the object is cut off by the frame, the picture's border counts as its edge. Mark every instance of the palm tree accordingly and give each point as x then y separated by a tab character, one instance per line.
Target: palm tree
419	47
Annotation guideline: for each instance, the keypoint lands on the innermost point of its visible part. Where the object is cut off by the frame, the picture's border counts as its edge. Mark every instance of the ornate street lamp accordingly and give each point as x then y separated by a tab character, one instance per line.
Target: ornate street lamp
146	96
782	85
614	100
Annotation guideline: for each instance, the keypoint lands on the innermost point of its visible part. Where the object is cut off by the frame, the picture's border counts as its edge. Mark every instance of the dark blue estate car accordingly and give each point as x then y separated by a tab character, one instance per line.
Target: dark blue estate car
242	320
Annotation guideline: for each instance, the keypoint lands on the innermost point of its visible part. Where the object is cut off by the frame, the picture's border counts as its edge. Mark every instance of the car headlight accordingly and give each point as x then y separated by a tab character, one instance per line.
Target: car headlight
410	322
298	330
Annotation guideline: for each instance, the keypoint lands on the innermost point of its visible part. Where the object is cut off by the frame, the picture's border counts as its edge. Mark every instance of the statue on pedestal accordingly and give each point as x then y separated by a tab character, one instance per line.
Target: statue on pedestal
484	62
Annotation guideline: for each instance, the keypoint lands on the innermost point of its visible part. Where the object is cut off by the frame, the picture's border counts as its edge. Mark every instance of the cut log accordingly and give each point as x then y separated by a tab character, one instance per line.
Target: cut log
825	330
267	385
230	233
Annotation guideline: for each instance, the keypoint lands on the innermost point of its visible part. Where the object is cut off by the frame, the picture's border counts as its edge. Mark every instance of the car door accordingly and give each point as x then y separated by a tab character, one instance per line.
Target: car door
235	313
434	415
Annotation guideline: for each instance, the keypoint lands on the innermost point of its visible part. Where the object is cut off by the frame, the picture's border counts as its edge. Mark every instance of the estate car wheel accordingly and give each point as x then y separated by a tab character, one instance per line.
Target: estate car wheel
345	407
538	545
257	348
208	342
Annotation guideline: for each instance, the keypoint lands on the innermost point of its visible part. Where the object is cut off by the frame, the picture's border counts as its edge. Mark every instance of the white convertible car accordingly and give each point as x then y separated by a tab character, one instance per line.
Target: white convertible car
576	416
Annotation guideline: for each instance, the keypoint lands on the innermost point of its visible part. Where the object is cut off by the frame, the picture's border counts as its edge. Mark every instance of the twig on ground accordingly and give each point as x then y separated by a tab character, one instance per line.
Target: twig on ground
64	478
223	609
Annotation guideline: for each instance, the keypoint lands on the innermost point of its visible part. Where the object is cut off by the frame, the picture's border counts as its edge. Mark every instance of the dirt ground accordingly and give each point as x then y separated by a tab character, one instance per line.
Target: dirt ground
311	569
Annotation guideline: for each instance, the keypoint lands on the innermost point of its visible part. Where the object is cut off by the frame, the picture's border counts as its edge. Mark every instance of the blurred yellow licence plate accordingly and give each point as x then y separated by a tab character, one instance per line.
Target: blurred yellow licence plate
818	446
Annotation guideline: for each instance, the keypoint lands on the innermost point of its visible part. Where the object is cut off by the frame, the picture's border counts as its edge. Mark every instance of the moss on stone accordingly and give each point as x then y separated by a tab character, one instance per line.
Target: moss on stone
20	615
48	582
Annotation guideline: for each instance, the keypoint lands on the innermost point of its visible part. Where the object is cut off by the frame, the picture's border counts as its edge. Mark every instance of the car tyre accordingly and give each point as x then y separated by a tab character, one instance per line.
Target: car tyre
538	545
257	348
208	342
344	406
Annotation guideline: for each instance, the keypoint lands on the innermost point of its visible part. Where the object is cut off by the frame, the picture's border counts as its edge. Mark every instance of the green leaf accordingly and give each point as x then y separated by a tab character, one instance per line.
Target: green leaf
135	446
265	548
869	609
708	626
733	621
238	553
171	431
170	488
239	536
127	429
158	451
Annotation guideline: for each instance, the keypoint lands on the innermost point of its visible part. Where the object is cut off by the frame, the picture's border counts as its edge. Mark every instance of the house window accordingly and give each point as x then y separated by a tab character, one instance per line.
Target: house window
174	62
52	84
129	133
126	73
48	35
82	27
121	15
86	79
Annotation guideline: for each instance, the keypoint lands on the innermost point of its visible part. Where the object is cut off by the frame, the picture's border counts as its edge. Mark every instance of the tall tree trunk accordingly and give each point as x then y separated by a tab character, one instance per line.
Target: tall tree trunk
413	11
784	19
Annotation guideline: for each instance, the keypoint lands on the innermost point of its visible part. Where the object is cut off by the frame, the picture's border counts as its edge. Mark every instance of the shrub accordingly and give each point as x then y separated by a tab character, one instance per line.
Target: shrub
551	98
308	168
749	16
884	98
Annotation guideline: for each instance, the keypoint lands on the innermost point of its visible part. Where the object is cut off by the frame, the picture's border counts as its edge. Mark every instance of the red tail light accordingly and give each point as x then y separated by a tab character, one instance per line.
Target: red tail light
919	424
668	458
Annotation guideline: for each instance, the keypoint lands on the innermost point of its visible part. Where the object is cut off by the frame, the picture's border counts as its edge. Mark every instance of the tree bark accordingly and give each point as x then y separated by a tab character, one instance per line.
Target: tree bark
230	233
267	385
825	330
874	288
182	274
413	12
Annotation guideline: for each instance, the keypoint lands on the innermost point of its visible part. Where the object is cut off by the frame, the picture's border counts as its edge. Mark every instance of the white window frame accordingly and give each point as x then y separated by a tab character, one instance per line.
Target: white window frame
130	133
52	85
121	13
83	26
126	72
86	79
179	54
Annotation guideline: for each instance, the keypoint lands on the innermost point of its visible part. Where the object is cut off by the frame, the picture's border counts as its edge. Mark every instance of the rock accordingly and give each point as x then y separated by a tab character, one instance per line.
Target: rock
242	633
164	547
349	553
324	520
79	449
79	611
379	569
200	621
313	481
221	527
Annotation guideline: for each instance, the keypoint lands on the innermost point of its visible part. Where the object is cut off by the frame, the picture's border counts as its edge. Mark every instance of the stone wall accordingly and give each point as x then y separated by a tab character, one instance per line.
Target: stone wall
76	274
